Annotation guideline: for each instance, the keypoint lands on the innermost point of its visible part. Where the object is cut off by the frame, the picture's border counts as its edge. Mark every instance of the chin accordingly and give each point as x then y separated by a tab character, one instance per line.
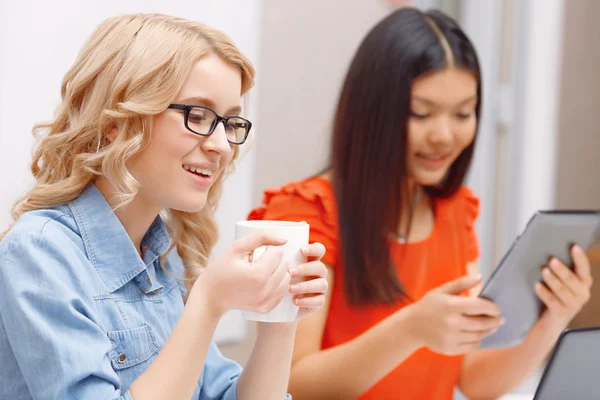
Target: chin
190	206
429	179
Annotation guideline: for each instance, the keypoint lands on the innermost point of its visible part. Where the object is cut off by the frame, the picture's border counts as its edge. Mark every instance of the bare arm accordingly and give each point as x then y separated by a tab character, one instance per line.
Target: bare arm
353	367
175	372
177	368
268	369
569	291
229	282
508	367
441	320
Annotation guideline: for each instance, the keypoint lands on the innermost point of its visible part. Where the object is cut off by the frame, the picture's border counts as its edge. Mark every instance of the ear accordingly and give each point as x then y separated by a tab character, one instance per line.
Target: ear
112	135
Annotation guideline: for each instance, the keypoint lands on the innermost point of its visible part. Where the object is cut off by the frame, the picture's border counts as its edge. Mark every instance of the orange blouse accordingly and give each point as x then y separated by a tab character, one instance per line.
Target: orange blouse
421	266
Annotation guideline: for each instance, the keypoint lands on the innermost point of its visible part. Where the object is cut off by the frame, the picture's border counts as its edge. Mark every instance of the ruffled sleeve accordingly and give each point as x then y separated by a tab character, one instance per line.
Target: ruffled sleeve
470	205
312	201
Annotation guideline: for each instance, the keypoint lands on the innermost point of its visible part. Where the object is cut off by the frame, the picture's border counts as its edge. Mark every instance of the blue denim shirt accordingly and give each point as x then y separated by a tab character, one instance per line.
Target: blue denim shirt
82	315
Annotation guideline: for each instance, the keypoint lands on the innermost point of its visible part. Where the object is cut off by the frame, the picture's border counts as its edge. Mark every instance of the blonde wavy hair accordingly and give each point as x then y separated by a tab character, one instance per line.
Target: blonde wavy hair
131	68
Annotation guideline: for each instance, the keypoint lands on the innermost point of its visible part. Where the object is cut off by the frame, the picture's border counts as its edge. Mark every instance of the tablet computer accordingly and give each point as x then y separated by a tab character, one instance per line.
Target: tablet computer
512	284
572	372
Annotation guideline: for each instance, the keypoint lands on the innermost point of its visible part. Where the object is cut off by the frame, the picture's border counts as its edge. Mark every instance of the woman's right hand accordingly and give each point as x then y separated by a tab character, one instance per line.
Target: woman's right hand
233	281
448	323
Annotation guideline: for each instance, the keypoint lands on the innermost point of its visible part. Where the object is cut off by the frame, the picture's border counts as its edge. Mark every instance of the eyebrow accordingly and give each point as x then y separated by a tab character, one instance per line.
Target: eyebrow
433	103
203	101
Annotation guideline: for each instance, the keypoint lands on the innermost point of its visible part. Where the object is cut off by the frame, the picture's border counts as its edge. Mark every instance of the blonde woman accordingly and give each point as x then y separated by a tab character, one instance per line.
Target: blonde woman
127	178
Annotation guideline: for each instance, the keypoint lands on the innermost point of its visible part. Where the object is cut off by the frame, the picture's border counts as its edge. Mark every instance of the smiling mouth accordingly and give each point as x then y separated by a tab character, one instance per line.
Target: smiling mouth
433	157
205	173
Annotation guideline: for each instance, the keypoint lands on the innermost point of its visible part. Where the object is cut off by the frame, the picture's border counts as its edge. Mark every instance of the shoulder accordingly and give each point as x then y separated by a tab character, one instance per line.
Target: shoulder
463	204
51	225
309	197
40	240
311	200
460	211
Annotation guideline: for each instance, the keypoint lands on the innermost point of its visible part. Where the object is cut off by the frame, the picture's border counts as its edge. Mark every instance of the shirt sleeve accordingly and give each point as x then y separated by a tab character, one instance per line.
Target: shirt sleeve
471	213
220	377
304	202
49	320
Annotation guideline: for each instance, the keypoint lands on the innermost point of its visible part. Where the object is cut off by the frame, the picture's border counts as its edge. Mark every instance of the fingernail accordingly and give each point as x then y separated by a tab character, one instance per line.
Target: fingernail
295	288
298	302
502	321
577	249
553	262
305	249
294	271
281	239
546	272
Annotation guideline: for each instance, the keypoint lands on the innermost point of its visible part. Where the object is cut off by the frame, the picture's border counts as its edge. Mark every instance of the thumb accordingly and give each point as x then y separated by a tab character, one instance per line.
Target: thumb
460	285
248	244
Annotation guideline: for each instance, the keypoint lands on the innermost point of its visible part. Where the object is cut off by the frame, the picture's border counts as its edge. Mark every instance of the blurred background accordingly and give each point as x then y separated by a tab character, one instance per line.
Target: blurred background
539	140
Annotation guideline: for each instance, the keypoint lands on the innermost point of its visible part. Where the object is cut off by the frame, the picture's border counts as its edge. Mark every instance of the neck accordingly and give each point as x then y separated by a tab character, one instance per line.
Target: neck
136	217
412	199
415	205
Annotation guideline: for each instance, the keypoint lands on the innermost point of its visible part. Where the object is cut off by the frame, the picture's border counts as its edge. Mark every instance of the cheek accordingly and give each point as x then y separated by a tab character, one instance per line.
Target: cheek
416	136
466	134
149	166
166	149
171	141
161	157
232	155
227	161
169	133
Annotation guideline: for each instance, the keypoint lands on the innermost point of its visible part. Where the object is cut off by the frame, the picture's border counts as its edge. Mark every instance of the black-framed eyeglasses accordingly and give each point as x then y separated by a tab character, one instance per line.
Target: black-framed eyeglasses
203	121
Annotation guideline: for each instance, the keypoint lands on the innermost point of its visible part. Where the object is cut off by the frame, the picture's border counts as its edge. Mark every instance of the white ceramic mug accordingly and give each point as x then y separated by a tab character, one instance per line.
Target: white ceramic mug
296	234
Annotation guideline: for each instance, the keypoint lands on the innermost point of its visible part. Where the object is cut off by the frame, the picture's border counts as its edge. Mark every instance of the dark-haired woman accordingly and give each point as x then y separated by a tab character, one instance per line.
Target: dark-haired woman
398	225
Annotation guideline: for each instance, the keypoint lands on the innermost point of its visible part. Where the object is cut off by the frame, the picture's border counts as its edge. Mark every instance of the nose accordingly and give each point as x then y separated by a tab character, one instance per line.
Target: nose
441	132
217	141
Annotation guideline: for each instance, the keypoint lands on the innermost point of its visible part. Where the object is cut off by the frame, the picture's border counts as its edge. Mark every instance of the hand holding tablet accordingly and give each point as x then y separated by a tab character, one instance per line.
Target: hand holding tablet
512	286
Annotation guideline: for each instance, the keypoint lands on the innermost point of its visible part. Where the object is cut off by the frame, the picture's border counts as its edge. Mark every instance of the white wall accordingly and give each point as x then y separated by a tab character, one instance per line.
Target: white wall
302	67
514	166
39	40
482	22
532	110
541	71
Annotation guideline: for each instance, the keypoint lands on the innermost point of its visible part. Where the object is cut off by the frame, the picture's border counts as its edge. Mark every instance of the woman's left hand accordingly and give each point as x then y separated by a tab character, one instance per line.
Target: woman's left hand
568	291
309	291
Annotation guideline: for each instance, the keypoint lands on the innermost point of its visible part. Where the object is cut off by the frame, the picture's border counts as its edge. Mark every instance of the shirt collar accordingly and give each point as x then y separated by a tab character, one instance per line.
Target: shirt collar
108	245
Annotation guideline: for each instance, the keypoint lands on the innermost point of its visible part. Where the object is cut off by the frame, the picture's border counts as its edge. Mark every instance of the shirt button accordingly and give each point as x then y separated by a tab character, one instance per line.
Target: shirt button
122	358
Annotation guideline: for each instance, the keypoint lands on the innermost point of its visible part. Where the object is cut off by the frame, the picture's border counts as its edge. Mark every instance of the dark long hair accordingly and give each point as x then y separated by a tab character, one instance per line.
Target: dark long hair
369	146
